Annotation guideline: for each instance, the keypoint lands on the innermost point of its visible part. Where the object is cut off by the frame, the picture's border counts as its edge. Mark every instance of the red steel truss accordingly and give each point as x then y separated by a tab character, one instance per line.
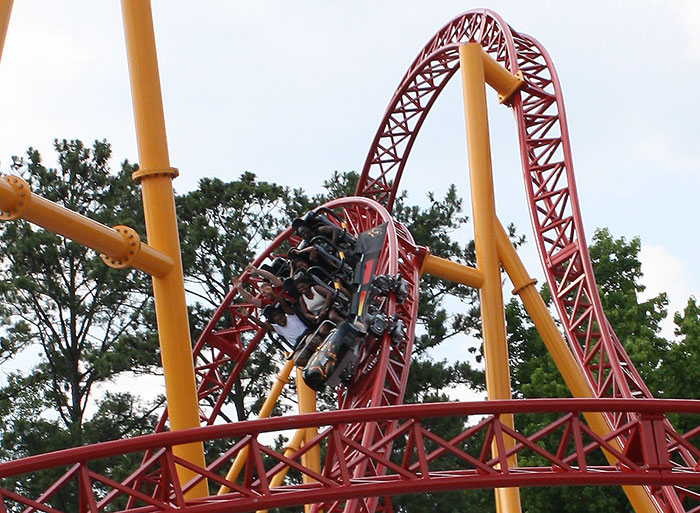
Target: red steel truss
567	452
549	181
373	447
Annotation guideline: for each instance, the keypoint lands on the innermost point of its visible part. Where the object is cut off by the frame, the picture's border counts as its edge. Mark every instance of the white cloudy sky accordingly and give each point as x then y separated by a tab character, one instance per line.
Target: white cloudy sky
295	90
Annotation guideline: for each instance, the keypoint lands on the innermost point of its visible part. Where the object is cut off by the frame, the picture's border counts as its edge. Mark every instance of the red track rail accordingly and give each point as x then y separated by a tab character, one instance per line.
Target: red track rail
549	182
561	454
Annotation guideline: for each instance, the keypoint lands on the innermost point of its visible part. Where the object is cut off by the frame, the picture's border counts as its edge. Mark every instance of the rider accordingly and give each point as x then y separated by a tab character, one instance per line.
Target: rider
271	289
286	325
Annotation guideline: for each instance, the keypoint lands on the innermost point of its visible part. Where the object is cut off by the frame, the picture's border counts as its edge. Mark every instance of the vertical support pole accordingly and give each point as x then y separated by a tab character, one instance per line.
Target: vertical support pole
307	404
265	410
484	214
161	227
5	10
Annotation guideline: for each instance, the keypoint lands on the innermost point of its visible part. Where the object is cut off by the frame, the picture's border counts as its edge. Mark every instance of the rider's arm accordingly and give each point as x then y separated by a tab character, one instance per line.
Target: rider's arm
274	280
246	295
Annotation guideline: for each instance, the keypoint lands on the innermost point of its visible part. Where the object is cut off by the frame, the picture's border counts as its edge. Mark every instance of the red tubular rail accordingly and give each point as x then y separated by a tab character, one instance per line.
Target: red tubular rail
563	453
549	182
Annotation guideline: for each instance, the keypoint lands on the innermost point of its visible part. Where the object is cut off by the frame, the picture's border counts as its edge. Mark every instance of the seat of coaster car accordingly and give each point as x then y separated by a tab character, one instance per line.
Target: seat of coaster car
279	266
321	277
315	220
309	342
334	260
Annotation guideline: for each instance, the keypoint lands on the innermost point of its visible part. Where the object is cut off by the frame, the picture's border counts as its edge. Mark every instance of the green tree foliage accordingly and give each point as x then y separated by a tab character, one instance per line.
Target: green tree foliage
81	322
681	369
223	225
636	322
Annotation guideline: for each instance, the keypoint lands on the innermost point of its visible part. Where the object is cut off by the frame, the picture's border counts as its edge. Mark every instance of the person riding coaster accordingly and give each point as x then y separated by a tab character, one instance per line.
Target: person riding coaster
328	359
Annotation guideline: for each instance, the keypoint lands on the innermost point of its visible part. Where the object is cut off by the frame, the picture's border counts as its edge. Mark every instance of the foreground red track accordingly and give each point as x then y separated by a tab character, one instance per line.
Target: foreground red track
565	453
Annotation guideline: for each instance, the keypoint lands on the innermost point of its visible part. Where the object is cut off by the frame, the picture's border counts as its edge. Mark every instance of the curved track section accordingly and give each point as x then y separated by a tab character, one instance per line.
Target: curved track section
222	353
549	182
562	454
231	336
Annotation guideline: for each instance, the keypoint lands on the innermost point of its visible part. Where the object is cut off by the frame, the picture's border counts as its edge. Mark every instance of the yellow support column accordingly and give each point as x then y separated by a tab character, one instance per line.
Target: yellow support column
447	270
161	227
524	286
307	404
265	410
484	213
5	10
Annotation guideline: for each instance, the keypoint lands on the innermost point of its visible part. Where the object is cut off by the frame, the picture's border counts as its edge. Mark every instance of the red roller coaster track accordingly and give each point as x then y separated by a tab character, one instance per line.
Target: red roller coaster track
382	448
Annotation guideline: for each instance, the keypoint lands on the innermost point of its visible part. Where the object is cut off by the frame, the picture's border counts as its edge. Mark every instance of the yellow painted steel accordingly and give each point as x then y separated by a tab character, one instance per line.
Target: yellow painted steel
17	202
307	404
447	270
561	354
161	229
502	80
265	410
484	213
5	11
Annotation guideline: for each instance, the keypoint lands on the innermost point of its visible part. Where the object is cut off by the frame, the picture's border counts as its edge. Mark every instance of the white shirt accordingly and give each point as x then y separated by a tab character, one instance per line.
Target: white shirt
291	331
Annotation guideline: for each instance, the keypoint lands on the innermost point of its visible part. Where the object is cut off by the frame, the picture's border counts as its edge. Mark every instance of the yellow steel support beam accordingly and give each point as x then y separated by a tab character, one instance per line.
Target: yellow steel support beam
121	246
5	10
307	404
524	286
502	80
265	410
484	213
447	270
161	227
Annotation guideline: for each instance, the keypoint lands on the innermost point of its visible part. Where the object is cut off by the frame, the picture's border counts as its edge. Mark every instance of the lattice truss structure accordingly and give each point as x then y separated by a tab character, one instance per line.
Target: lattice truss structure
372	445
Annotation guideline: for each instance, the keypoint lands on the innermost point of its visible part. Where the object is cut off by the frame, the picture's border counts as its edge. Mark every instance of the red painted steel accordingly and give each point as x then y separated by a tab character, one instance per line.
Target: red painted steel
549	182
567	452
368	426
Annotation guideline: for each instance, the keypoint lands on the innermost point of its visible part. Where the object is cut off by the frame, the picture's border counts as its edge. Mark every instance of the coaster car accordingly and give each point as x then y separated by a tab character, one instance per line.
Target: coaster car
329	360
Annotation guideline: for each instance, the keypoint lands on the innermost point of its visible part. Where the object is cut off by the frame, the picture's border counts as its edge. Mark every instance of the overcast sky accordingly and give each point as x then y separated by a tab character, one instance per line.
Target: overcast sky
294	90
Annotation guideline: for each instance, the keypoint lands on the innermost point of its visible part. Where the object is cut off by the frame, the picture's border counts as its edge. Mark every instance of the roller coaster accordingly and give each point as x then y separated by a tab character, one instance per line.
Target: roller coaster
373	447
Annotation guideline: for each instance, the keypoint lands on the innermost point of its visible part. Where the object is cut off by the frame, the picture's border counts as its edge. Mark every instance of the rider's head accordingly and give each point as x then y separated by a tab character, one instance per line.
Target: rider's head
275	315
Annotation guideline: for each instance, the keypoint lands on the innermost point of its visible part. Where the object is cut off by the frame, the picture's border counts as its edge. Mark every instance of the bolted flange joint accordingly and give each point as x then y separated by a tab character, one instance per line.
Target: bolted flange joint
132	245
22	195
139	174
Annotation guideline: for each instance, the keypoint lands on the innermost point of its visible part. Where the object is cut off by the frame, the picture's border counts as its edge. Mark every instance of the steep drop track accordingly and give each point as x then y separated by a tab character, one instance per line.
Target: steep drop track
357	473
